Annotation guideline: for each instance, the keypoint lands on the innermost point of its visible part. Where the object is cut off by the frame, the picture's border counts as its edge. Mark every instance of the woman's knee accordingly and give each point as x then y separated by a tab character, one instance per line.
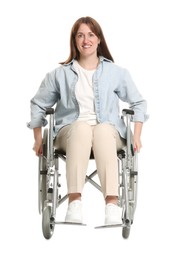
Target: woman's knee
107	134
80	130
104	130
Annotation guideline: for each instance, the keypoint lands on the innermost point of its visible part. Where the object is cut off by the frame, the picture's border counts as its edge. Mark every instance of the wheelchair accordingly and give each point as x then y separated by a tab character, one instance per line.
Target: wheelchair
49	197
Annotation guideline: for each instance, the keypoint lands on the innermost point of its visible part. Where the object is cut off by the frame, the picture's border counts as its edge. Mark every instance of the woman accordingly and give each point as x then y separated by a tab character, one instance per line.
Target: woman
86	89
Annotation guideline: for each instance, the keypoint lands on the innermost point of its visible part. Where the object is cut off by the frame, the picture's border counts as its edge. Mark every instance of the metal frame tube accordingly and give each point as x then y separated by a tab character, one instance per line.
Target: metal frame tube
55	182
51	139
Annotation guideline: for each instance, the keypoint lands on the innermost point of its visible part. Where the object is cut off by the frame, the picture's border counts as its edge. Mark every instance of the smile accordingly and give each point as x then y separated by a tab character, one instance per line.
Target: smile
86	46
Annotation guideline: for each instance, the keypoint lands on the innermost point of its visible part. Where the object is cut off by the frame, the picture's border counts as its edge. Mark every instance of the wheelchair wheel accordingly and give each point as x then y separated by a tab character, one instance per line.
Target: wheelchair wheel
42	173
125	232
47	225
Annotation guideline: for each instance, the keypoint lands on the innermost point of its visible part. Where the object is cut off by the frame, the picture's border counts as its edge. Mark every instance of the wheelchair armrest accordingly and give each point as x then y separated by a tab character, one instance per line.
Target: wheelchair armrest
127	112
49	111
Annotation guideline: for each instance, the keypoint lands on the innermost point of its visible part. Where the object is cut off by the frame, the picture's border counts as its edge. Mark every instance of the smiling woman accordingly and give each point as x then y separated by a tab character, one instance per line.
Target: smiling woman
34	38
87	115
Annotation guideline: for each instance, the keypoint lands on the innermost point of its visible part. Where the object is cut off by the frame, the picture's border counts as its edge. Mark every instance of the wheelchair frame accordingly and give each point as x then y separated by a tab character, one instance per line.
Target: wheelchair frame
49	180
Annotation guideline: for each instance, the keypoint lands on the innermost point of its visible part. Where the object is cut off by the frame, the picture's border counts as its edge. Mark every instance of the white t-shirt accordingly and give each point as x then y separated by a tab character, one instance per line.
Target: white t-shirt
84	94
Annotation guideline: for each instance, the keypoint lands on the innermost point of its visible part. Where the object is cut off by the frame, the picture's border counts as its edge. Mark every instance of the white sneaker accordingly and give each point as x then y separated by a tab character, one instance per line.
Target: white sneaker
113	214
74	212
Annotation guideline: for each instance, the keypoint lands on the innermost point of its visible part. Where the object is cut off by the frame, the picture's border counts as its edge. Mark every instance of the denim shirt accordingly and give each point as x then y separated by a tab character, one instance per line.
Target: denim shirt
110	83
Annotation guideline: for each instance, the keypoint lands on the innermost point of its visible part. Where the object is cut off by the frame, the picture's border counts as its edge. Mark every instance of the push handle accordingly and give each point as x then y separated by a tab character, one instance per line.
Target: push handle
49	111
128	111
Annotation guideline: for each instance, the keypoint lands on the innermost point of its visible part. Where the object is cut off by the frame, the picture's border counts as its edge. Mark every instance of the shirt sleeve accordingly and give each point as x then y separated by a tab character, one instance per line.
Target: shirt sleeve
129	93
45	97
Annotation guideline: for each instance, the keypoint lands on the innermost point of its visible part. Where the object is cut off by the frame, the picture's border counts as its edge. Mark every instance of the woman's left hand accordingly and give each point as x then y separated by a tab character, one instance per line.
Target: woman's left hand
137	134
137	145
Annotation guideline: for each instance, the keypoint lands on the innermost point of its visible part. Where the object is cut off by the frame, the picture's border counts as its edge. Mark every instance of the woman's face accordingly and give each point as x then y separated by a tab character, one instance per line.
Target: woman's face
86	41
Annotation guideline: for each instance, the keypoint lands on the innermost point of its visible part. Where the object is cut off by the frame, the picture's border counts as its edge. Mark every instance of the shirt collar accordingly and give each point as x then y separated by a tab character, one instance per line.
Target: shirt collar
101	60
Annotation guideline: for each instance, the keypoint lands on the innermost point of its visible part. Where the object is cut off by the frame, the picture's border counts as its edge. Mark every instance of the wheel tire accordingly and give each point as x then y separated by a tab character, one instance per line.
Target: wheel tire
42	173
47	226
125	232
42	191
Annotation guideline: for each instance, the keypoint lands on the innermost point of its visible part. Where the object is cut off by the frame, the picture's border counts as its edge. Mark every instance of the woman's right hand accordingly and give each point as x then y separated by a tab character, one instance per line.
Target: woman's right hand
37	147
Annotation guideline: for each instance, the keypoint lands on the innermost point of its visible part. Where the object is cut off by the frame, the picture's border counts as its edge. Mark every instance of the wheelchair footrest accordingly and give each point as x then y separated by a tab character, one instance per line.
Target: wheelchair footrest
69	223
110	226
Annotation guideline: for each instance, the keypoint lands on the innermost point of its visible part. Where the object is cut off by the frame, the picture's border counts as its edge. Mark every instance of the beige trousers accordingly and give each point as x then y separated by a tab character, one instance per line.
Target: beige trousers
77	140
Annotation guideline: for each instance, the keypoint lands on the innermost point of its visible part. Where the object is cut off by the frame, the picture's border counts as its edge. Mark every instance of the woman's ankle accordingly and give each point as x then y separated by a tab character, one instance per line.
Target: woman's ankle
73	196
111	199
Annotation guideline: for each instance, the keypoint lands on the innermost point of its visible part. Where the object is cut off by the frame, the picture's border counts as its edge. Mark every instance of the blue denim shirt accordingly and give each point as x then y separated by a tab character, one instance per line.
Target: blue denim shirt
110	83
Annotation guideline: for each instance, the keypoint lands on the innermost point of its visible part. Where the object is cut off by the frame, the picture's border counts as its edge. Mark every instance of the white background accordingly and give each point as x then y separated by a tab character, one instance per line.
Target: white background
34	37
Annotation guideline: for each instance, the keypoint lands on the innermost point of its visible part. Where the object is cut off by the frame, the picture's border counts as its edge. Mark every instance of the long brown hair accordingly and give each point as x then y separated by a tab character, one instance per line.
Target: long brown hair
102	49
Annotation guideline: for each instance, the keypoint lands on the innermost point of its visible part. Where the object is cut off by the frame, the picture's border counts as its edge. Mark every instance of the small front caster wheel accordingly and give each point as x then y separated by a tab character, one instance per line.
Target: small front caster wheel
47	223
125	232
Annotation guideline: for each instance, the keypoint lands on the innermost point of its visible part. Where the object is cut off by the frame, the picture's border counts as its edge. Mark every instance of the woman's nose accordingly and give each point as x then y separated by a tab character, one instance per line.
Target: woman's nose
86	38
